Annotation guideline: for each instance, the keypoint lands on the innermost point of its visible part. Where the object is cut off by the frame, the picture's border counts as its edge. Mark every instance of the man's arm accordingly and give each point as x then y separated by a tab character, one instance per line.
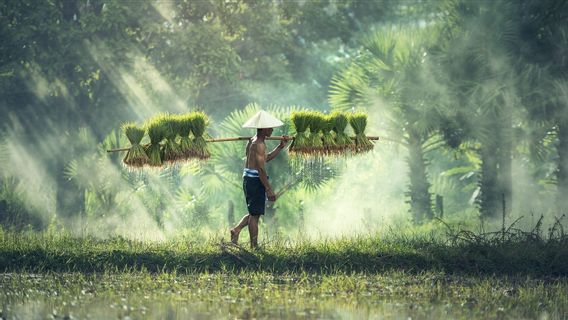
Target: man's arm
273	153
276	150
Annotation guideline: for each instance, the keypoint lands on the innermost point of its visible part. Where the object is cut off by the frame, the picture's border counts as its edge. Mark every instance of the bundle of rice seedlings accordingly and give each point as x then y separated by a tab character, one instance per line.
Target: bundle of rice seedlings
342	141
136	156
358	121
171	148
156	132
198	125
316	123
300	119
186	145
329	145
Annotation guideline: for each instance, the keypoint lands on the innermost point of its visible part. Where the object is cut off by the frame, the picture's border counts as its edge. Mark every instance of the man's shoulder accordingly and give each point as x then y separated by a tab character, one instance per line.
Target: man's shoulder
258	144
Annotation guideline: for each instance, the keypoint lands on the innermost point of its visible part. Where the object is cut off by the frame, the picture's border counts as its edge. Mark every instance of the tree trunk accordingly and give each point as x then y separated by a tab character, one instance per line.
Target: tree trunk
489	200
496	169
505	162
420	197
562	170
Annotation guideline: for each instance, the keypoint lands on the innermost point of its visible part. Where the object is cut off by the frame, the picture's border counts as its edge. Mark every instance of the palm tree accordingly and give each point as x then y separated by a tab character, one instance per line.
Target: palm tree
543	46
475	59
500	56
394	66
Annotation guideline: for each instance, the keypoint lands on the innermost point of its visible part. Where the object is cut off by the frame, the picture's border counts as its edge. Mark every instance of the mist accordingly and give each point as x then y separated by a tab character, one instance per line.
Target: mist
471	110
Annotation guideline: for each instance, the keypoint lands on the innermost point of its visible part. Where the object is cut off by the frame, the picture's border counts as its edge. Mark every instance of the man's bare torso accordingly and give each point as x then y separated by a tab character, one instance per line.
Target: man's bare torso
256	153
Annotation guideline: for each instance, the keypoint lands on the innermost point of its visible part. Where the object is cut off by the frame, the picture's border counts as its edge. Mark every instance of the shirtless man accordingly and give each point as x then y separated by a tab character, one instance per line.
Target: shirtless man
256	186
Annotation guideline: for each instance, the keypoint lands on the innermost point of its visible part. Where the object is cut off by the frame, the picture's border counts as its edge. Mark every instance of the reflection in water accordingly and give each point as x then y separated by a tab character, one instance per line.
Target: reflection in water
178	308
259	295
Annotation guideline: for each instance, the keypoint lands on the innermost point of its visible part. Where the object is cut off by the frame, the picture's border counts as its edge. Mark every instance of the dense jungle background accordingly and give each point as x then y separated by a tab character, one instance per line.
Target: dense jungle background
470	99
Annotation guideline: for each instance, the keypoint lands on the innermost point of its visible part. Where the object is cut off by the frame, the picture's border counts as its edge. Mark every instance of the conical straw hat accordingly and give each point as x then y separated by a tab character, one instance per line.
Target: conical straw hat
262	119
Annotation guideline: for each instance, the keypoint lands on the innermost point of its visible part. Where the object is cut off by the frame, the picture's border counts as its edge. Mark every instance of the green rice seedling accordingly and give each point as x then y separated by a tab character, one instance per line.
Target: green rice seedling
300	119
157	132
136	156
171	130
199	123
342	140
187	147
329	145
358	121
317	123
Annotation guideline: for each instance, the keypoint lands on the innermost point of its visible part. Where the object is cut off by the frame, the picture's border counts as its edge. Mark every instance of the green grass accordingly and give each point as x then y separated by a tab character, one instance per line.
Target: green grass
48	275
43	252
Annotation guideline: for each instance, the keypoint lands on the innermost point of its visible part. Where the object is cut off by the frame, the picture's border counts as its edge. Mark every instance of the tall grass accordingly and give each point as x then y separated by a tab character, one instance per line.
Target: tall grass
48	252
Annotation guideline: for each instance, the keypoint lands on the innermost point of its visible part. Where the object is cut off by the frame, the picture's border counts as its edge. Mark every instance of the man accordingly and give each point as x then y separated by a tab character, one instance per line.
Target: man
256	186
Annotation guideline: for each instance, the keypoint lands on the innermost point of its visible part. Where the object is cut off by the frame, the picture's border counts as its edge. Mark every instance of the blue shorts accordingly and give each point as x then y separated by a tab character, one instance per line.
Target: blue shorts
255	193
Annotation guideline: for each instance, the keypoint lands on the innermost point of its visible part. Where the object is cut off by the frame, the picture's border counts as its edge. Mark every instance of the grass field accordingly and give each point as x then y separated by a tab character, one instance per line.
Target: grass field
53	276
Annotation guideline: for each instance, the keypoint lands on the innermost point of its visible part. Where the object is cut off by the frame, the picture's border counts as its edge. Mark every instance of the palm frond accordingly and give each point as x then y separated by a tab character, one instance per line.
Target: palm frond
233	123
349	89
315	174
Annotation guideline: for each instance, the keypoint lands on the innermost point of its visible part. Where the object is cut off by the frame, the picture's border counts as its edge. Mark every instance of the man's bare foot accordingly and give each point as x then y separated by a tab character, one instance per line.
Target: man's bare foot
234	236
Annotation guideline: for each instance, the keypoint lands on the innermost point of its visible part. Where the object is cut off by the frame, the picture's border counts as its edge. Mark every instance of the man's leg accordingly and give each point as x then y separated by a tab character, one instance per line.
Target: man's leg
253	231
237	230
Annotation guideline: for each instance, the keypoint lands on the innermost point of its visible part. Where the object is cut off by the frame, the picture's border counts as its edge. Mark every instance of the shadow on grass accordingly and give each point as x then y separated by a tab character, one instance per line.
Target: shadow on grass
532	257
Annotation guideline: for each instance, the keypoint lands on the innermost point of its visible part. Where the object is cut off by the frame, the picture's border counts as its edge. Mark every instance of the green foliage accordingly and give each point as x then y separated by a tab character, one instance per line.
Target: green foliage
98	195
394	66
68	63
329	145
199	123
186	146
15	214
164	130
301	121
157	131
316	123
484	106
133	132
311	126
358	122
136	156
314	172
349	88
340	121
171	149
491	86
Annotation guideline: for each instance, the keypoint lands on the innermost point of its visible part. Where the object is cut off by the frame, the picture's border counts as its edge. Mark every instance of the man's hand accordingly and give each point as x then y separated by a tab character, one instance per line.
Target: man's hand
270	195
283	142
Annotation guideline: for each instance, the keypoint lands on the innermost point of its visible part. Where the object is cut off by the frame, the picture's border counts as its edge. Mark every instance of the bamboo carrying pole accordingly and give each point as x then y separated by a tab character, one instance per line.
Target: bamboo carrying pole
238	139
